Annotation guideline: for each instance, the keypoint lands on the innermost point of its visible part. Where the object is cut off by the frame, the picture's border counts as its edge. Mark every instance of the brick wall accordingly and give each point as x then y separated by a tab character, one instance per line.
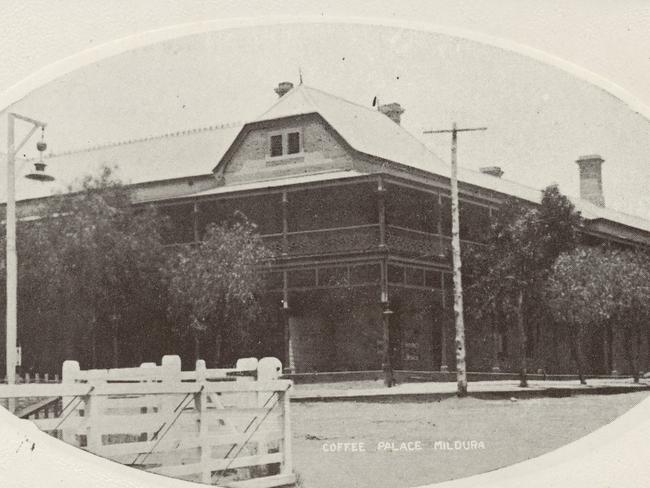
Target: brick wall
321	151
312	343
336	331
359	333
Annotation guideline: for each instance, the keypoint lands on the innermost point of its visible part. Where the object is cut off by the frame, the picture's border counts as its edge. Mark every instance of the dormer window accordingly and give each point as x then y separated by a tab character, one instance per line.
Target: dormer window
293	143
276	145
285	143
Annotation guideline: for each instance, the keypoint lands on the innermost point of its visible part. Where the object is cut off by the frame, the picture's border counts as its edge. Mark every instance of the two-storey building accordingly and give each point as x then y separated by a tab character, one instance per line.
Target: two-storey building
357	213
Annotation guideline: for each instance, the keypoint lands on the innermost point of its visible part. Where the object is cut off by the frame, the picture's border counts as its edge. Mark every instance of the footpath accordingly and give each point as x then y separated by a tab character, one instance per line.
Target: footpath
427	391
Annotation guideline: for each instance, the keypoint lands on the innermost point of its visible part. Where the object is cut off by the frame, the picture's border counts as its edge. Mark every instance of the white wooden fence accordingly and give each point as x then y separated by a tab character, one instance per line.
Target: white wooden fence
34	378
217	426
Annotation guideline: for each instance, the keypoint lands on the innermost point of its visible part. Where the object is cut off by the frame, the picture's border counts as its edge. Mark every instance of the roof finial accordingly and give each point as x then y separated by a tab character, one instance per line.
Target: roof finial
300	74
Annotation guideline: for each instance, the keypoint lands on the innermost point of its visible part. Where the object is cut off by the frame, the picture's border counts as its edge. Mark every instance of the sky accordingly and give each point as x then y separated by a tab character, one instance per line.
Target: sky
539	118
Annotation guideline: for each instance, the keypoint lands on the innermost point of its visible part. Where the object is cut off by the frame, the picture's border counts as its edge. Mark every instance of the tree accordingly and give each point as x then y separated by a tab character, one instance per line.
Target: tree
602	287
632	300
215	285
522	245
89	272
575	298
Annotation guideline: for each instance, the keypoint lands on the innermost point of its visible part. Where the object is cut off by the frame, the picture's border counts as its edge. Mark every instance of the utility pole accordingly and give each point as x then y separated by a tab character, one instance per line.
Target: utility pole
461	367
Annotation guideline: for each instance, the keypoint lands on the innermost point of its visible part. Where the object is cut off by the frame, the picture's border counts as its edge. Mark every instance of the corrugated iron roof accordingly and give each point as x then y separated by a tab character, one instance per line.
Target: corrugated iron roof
179	154
365	129
274	183
369	131
195	152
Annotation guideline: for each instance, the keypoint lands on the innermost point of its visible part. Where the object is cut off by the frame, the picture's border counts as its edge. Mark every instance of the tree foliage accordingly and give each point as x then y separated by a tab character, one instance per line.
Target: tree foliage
591	288
215	285
97	284
89	273
506	274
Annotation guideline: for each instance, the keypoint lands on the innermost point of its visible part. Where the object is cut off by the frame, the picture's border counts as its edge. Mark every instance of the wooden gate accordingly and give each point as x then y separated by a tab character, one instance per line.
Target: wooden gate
216	426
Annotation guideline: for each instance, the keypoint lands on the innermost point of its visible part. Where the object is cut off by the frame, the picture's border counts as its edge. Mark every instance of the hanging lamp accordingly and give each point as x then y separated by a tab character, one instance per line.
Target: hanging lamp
39	173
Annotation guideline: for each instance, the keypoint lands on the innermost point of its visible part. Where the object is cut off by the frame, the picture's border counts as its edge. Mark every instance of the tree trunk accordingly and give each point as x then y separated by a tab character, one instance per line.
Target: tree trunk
495	338
631	354
521	330
637	355
93	345
615	340
495	350
606	348
577	356
197	350
217	349
116	352
647	342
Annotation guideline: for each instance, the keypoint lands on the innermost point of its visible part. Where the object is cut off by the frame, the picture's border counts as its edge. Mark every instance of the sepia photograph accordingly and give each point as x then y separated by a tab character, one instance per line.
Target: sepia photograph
327	249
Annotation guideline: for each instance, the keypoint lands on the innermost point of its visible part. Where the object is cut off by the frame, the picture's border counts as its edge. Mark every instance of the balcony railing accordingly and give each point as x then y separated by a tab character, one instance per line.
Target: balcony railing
358	238
335	240
417	243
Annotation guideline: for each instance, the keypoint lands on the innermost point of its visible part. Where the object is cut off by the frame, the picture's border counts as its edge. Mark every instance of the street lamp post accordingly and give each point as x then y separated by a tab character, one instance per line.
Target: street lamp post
12	261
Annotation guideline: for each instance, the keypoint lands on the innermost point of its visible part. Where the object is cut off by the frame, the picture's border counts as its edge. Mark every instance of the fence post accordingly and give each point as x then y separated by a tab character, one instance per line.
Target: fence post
70	373
150	402
201	402
93	413
268	369
287	456
171	375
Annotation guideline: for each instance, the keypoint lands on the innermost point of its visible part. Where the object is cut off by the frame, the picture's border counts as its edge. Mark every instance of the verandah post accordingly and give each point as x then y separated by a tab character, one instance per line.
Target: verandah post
286	323
386	364
381	210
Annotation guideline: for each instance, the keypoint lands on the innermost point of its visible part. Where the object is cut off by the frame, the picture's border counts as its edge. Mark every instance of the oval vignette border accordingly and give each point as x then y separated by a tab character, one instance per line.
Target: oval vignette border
550	469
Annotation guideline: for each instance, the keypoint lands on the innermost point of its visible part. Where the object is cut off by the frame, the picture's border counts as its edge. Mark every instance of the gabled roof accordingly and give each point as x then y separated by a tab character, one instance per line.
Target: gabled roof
365	129
369	131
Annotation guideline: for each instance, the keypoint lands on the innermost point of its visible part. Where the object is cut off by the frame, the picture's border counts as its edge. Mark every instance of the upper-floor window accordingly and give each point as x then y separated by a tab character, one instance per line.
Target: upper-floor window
293	143
285	143
276	145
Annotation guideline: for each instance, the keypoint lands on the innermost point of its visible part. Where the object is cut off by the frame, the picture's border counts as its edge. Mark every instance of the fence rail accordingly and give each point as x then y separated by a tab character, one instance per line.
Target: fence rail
34	378
217	426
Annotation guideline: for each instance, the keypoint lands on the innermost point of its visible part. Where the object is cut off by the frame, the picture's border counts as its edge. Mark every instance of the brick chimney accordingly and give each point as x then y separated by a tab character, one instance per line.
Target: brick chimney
393	111
492	171
283	88
591	179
